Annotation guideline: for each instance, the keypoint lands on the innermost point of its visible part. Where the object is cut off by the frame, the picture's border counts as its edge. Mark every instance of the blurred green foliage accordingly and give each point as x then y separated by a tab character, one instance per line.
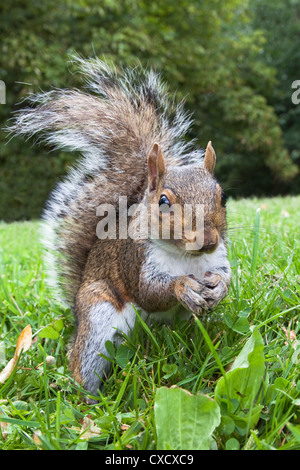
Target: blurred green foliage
280	23
233	61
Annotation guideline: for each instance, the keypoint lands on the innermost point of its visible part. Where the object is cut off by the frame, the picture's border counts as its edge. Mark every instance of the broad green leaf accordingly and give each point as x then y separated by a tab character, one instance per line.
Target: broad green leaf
123	355
281	383
170	370
52	330
232	444
184	421
239	395
110	348
247	419
241	325
58	324
20	405
49	332
227	425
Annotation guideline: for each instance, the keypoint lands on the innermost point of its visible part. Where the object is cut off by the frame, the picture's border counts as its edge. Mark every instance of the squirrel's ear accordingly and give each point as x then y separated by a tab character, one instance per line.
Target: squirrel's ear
209	158
156	166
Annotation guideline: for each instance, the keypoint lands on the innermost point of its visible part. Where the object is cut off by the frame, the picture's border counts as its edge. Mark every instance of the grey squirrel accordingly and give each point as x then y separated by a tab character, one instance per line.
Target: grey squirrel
131	135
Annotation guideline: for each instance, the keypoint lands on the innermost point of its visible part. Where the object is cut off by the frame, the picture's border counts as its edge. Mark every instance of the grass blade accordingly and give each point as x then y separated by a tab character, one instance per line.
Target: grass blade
255	242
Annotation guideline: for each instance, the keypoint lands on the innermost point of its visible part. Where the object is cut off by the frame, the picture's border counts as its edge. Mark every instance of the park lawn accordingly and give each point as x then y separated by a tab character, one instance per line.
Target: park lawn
41	407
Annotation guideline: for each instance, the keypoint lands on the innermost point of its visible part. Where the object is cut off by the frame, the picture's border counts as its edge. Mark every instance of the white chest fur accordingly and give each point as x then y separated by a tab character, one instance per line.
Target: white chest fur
177	264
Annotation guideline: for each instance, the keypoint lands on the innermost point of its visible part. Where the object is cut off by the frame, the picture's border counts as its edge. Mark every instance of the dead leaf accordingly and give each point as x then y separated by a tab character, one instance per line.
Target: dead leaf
124	427
89	429
3	427
36	437
290	336
23	344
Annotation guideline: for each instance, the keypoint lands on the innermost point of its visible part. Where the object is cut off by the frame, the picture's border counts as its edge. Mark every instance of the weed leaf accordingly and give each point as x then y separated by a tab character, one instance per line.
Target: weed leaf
184	421
240	396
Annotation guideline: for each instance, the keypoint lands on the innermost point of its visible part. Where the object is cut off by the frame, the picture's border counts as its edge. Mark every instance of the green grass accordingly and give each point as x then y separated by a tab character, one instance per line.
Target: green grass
41	407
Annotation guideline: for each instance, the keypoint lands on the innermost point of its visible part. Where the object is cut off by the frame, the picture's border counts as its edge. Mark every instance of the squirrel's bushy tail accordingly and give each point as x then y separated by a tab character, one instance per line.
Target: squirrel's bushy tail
114	125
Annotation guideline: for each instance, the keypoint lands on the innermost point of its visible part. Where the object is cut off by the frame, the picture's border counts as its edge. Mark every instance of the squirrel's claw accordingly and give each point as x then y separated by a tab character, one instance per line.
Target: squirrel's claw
215	289
188	291
196	295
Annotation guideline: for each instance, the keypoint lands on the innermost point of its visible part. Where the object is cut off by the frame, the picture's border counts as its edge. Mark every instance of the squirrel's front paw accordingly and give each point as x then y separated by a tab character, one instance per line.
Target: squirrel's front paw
215	289
188	291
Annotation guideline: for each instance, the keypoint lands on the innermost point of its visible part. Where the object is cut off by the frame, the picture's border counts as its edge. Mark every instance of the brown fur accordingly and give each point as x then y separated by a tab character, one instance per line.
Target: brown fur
132	138
114	268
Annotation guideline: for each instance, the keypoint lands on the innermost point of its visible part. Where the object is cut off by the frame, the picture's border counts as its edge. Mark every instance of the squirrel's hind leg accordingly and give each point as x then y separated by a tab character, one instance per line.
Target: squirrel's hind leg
101	322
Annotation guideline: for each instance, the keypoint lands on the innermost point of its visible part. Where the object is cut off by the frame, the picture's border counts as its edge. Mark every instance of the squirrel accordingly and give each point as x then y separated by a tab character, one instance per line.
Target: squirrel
131	135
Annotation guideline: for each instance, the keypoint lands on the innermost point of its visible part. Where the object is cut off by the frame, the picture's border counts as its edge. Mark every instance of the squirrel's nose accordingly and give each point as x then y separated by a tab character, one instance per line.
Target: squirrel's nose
211	240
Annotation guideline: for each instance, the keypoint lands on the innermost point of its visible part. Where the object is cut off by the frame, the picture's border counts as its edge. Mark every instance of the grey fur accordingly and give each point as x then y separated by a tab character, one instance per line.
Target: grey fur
116	120
105	325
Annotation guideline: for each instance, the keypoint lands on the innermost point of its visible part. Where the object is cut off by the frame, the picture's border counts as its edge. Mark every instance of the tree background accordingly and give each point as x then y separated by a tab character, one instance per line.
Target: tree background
234	61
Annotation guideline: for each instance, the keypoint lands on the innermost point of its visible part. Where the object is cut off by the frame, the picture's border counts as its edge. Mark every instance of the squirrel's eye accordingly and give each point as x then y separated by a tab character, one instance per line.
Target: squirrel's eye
223	199
163	200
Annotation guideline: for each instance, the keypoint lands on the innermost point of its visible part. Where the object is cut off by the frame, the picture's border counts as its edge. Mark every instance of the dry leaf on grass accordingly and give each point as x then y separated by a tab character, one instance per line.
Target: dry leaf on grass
89	429
23	344
3	427
124	427
36	437
290	336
